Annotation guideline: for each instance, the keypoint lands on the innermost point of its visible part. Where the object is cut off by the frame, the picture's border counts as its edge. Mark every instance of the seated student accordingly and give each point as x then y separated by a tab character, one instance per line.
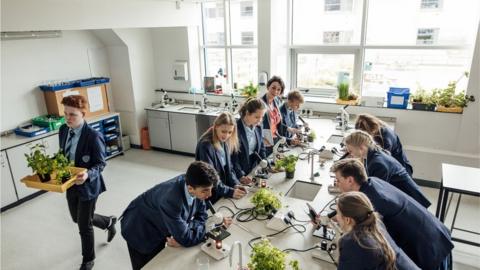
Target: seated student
250	138
385	137
215	147
382	165
365	244
413	228
273	117
289	127
172	212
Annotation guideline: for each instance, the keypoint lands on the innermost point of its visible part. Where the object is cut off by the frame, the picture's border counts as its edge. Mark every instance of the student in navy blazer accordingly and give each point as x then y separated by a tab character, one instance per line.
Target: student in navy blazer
251	148
215	147
273	117
380	164
86	147
385	137
415	230
365	243
172	213
289	127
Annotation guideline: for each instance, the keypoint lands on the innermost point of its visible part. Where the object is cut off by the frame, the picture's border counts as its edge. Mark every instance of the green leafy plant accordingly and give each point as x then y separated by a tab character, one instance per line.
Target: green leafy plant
343	91
265	256
61	166
265	201
250	90
312	136
40	162
422	96
288	162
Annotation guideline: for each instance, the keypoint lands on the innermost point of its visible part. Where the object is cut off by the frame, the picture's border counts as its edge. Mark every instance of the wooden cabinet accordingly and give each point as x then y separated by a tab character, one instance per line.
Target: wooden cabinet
183	132
9	194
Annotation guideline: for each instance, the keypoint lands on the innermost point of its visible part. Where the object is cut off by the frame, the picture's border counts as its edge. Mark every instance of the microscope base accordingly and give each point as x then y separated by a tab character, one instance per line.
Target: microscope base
214	252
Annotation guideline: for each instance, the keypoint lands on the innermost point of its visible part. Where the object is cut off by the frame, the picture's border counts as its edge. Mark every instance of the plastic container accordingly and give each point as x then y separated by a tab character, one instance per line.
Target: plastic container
398	97
84	82
30	130
50	121
61	86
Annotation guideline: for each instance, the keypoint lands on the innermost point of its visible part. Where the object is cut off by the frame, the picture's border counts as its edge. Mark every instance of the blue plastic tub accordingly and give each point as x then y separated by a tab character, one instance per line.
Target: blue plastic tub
63	85
31	133
100	80
84	82
398	97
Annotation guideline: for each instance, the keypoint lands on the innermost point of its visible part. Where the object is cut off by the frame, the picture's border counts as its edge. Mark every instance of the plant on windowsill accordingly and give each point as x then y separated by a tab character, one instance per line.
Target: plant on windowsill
250	90
265	256
40	162
423	101
265	202
344	95
449	101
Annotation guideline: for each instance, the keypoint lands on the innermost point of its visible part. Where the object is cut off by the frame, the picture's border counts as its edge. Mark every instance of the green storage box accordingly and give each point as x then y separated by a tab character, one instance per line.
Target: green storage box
51	121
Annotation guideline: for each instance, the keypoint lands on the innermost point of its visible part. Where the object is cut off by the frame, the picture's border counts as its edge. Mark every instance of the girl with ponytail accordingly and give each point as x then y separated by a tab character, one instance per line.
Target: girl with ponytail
365	243
251	146
382	165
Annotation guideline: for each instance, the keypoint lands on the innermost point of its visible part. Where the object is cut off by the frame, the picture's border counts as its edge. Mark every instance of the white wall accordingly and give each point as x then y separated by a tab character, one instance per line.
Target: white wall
27	15
27	63
142	73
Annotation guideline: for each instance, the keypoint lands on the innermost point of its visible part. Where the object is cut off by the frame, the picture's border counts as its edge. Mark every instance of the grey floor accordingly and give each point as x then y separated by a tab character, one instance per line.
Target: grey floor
39	234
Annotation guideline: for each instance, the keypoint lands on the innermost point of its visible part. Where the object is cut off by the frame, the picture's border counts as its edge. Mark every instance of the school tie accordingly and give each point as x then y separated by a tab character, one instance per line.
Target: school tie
68	144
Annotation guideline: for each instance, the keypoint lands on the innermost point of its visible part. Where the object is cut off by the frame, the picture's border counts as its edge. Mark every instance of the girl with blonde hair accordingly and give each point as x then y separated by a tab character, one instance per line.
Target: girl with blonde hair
215	147
385	137
381	164
365	243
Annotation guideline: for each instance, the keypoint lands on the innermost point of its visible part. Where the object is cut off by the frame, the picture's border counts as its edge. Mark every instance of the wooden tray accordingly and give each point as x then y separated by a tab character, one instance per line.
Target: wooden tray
348	102
441	108
33	181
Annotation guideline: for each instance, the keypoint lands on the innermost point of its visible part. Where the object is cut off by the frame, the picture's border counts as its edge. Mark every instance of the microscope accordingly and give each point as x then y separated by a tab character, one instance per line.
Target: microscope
203	103
163	99
327	249
214	246
343	120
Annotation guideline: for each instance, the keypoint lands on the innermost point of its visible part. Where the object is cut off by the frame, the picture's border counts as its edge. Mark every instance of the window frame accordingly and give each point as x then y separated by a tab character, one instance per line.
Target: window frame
227	46
359	51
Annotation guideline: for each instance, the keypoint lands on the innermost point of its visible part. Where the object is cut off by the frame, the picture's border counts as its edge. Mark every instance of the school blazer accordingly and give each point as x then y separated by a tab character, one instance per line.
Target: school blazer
242	163
163	211
90	154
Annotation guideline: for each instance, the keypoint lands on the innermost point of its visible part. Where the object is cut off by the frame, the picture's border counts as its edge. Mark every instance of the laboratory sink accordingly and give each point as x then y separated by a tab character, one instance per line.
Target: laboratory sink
303	190
189	109
335	139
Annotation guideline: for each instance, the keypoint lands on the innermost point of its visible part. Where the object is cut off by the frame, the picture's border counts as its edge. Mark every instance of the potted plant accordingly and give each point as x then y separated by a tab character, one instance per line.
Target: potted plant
250	90
265	201
61	166
265	256
448	101
40	162
423	101
312	136
343	91
288	162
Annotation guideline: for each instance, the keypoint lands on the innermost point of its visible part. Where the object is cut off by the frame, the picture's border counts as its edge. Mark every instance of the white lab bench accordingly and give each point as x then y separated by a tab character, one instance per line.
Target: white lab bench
185	258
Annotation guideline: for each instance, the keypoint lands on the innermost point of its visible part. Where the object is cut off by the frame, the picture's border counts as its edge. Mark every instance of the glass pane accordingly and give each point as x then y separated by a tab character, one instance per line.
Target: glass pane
427	69
393	22
245	66
213	23
243	22
327	22
323	70
215	60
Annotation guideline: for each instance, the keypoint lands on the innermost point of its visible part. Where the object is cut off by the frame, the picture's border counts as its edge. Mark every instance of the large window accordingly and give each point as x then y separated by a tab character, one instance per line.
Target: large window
230	40
378	44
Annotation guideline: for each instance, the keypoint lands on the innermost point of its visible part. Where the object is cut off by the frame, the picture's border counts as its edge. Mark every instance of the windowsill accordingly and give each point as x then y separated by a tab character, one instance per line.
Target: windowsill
320	100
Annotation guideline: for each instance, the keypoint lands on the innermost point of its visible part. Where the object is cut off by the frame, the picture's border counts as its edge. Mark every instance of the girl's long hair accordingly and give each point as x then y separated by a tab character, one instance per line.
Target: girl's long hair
357	206
210	135
372	125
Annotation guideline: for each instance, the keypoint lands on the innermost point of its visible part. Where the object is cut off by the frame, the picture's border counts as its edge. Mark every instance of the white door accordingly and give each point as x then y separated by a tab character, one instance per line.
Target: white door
8	189
183	130
159	129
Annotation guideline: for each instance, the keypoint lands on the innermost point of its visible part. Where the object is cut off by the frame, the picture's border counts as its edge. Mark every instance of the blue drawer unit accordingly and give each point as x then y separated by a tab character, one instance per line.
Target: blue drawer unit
110	128
97	126
109	121
110	136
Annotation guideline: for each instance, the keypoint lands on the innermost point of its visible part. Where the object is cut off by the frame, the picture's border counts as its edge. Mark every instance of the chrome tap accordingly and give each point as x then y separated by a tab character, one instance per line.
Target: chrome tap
311	157
240	257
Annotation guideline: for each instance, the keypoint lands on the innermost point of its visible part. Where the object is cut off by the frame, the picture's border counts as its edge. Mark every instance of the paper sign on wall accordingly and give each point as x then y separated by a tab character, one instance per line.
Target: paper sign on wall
95	100
70	93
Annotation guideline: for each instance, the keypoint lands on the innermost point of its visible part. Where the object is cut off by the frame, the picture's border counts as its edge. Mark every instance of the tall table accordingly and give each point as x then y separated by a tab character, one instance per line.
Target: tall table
461	180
